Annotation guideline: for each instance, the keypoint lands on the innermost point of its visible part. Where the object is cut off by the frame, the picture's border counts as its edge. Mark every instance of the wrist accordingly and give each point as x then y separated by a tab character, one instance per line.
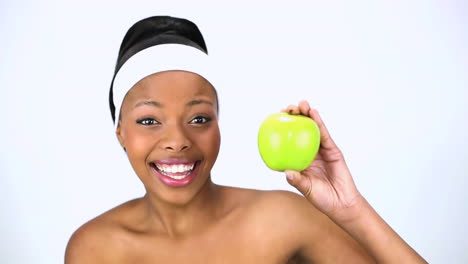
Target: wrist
354	210
365	225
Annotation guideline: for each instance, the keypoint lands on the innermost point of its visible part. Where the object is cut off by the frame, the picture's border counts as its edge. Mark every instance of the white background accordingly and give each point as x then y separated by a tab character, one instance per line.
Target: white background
389	78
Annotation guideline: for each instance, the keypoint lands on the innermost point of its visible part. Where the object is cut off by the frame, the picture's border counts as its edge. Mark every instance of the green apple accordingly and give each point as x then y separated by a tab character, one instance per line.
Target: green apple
288	141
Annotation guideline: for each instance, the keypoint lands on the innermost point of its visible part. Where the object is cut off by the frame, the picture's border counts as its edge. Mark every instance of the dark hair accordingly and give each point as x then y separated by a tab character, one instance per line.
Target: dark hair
153	31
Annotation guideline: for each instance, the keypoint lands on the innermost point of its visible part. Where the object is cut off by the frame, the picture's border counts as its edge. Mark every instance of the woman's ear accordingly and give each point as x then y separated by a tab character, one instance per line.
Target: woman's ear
118	133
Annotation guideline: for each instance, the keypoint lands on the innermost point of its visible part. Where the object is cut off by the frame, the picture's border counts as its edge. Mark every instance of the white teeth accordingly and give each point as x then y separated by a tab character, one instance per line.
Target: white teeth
180	168
175	168
165	169
176	177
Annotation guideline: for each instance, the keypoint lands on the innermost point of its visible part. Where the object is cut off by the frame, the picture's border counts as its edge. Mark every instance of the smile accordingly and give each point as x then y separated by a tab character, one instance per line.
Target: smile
175	172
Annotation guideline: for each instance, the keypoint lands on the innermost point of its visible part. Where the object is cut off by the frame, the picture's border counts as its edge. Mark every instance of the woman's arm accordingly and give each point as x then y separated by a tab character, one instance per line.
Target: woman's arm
327	184
374	234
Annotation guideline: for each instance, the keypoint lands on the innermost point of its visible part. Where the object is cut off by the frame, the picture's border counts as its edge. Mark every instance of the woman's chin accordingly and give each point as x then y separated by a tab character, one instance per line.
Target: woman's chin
178	192
179	197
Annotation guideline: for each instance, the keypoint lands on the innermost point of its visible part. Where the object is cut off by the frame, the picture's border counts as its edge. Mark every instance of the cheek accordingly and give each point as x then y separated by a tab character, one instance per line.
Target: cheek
138	145
211	142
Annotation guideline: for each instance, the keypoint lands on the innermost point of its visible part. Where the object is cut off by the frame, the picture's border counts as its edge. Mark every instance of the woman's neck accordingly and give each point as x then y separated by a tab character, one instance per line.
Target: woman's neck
177	220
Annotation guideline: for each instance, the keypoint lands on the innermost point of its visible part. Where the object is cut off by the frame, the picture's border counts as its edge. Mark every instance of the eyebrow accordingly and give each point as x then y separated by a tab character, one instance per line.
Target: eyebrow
152	103
199	101
158	104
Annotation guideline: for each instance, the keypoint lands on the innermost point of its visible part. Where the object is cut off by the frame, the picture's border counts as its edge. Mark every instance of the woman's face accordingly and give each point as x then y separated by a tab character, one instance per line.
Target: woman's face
170	131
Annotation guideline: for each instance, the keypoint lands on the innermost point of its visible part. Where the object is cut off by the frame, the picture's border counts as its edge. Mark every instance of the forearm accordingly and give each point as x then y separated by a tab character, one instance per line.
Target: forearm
377	237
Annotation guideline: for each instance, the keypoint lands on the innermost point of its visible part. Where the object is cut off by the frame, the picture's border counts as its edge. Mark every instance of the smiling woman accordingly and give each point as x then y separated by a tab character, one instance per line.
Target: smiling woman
165	108
168	123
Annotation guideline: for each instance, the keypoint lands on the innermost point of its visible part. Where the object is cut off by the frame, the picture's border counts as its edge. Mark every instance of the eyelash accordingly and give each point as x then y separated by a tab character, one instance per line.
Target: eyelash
144	121
207	119
152	121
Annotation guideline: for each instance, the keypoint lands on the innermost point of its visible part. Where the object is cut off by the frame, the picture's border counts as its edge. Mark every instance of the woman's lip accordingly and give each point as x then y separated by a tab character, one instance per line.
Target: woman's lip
175	161
177	183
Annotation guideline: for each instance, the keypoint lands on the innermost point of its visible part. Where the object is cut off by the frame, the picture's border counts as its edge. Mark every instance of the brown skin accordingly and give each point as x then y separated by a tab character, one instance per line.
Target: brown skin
208	223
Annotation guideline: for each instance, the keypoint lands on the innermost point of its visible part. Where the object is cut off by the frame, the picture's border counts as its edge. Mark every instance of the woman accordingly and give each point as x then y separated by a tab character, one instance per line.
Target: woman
165	109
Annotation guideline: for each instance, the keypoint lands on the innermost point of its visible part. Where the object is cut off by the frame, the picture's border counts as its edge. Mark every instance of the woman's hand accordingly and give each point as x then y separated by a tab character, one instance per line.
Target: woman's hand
327	181
327	184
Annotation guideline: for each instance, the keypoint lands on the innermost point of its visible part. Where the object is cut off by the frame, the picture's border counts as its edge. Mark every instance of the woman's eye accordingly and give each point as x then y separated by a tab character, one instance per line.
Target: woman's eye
200	120
147	121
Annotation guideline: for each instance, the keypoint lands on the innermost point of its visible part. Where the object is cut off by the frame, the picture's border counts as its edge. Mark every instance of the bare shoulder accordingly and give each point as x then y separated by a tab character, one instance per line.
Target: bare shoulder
293	209
270	203
99	240
278	213
277	202
290	216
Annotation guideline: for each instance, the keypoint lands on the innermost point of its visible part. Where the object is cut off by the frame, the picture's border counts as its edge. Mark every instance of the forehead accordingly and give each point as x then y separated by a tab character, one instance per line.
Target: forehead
171	85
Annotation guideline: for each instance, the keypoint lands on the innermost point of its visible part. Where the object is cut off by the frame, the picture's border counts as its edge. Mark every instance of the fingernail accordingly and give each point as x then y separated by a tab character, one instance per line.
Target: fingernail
290	176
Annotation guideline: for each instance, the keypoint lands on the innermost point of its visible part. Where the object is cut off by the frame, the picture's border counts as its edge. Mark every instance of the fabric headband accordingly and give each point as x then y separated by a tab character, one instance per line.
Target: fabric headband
158	58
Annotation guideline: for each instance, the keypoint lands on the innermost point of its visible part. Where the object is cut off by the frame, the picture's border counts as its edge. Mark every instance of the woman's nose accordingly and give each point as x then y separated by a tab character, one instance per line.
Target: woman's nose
176	140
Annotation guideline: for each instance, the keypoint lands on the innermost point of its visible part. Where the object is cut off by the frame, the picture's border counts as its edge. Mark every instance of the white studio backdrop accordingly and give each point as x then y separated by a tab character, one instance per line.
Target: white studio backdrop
389	78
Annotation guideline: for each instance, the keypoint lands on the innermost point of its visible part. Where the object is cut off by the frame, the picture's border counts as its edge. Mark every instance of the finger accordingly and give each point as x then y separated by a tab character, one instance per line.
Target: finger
293	109
325	139
298	181
304	107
